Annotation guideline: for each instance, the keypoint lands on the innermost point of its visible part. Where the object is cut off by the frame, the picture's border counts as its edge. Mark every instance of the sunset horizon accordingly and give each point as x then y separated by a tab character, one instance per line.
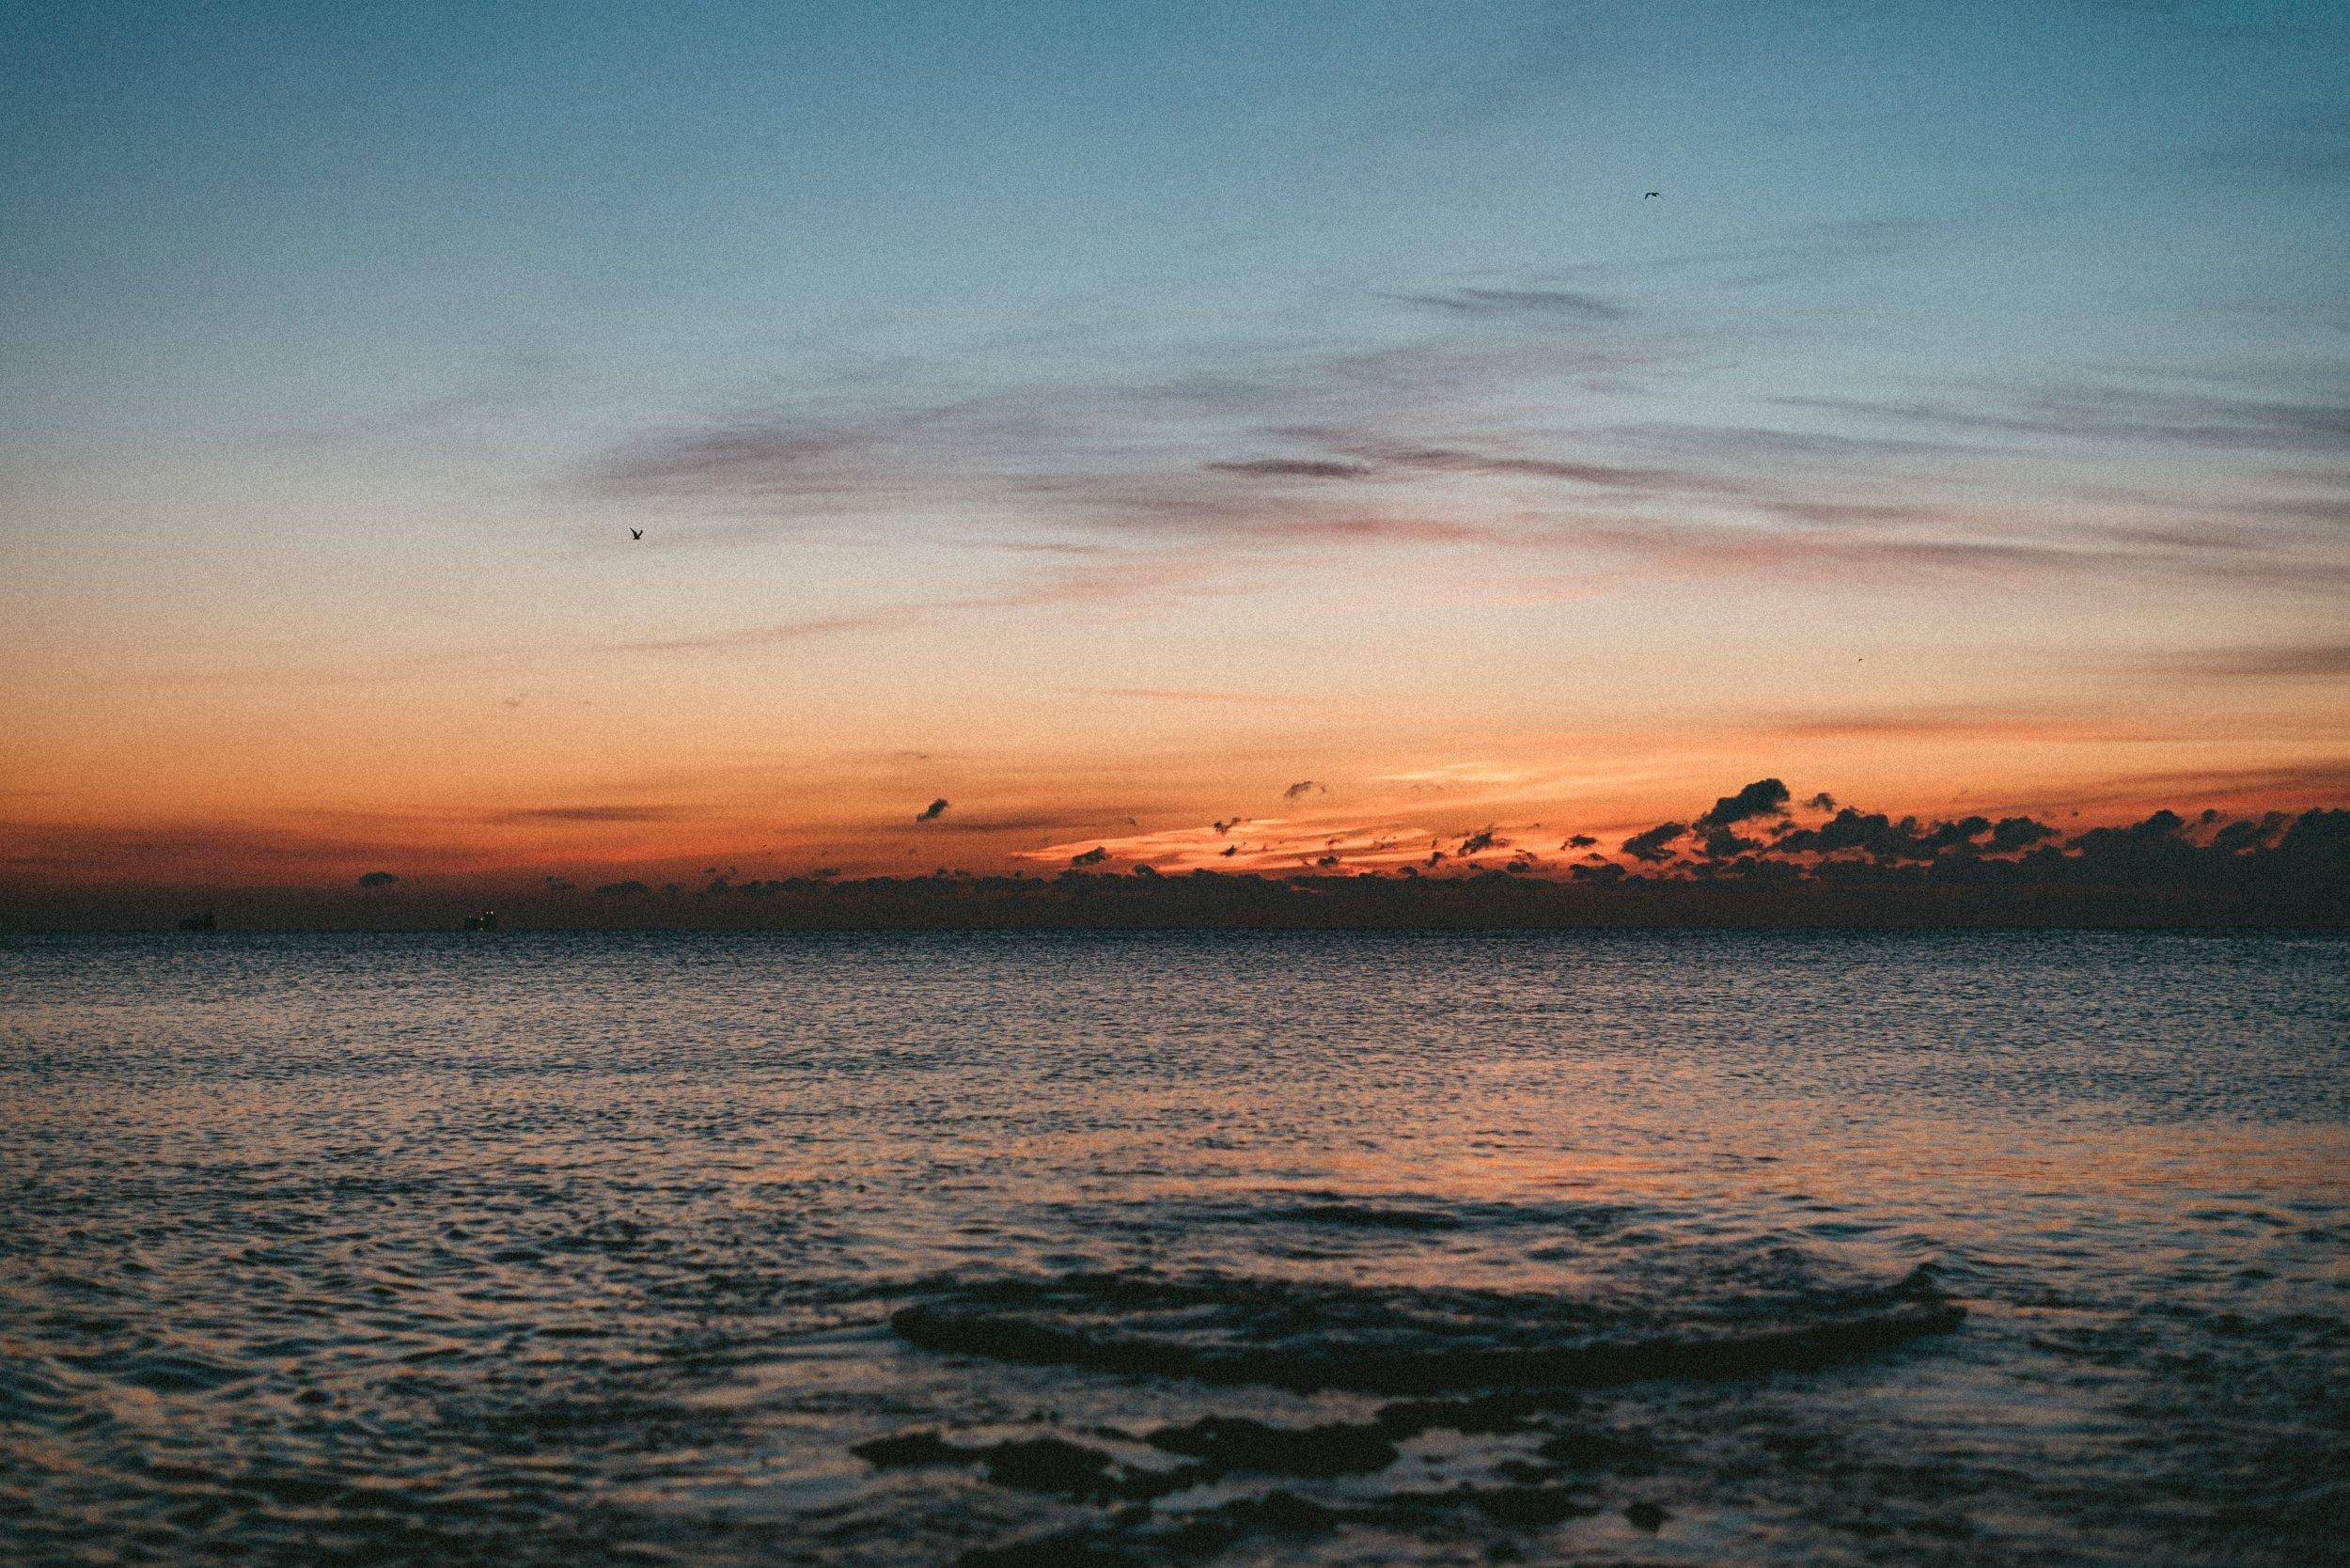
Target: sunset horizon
636	468
1809	856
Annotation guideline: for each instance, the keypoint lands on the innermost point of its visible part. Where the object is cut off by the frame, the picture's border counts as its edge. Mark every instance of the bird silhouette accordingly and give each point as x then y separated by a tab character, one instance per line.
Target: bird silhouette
637	533
1652	194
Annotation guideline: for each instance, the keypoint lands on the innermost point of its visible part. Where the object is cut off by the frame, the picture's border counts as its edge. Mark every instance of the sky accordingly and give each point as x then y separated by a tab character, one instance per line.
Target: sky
1118	419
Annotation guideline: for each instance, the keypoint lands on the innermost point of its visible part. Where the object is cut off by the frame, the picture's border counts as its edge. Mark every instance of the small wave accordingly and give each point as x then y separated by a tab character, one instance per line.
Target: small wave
1307	1338
30	1390
1368	1216
1404	1211
1200	1535
164	1369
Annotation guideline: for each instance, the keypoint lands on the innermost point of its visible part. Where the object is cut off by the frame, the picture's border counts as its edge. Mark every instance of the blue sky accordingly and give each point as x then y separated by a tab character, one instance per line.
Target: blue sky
343	201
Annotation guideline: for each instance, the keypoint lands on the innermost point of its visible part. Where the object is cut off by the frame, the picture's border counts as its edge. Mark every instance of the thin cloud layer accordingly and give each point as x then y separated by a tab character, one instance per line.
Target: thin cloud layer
2311	661
587	814
1170	485
2158	415
1538	304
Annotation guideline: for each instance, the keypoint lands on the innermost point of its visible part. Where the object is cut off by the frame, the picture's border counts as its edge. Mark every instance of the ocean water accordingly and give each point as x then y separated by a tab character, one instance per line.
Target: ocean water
1136	1249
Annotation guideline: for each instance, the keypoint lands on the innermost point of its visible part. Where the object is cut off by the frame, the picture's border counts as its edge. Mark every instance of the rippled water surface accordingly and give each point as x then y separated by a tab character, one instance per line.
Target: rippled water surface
1660	1248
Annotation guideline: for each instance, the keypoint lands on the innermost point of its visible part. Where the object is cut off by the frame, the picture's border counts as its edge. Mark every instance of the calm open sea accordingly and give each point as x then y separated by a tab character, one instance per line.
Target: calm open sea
1109	1249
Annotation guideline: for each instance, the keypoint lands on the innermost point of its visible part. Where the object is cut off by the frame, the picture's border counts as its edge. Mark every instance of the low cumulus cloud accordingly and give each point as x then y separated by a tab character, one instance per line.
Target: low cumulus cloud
1302	788
1765	797
2244	834
1876	837
1962	850
377	879
629	889
1653	845
932	812
1861	869
1721	843
2015	833
1873	834
726	886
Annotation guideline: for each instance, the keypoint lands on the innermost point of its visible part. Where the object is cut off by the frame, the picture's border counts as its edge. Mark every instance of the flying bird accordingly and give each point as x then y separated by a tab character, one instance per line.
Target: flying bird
1652	194
637	533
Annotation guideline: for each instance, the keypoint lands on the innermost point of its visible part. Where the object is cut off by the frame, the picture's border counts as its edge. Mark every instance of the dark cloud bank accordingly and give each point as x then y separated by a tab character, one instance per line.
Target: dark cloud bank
1746	862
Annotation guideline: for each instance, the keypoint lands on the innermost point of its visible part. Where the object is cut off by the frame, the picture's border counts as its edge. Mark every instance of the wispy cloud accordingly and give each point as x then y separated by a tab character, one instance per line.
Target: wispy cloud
1807	251
1294	468
2113	413
795	631
587	814
2300	147
1148	483
2318	779
983	824
1940	723
1537	304
1699	550
525	381
2303	661
1139	450
222	851
1743	444
1119	580
1161	694
1392	458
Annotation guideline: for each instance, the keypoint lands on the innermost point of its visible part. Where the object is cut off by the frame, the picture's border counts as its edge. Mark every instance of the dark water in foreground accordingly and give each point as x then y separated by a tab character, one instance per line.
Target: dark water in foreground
1231	1249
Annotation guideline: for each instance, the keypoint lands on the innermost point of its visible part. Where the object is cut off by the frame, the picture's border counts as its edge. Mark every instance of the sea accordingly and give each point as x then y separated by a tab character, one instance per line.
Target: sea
2025	1247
